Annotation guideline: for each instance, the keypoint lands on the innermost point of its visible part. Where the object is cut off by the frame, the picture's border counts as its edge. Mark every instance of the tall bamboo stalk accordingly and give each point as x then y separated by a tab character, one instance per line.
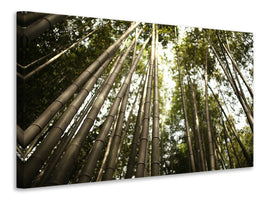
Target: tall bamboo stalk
196	146
33	62
196	120
24	36
104	161
155	157
59	54
218	148
129	117
44	118
137	131
188	137
227	148
162	137
243	96
110	164
26	18
227	49
232	145
140	171
211	148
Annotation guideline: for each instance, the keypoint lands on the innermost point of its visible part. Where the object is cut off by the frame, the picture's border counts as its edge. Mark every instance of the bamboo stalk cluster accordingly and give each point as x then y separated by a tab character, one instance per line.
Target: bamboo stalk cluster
56	153
58	168
197	152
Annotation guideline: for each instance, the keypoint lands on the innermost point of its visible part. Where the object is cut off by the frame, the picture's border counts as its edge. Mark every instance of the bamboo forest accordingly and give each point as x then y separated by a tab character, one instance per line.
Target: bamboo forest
101	99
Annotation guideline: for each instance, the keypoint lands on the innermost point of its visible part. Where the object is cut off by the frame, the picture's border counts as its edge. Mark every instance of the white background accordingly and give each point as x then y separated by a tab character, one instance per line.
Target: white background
238	15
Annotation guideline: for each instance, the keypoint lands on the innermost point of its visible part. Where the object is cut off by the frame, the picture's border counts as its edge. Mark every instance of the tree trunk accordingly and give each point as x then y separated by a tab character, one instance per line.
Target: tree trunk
145	130
211	150
104	162
232	145
129	118
58	55
155	159
26	18
196	147
196	120
189	143
24	36
137	131
243	96
227	148
238	70
111	158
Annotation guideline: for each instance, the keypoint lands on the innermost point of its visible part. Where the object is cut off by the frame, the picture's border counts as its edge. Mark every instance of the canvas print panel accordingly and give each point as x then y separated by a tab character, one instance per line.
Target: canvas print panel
102	99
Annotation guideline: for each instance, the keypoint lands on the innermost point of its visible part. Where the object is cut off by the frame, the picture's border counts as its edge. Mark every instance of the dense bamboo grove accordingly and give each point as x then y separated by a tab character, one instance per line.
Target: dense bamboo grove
105	99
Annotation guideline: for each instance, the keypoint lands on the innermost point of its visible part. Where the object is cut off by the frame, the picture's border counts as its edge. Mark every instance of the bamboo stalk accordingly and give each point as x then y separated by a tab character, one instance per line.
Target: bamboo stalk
140	171
30	64
35	29
137	131
243	96
129	119
232	145
60	54
104	162
110	165
155	157
119	122
211	149
238	70
189	143
227	147
26	18
196	119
